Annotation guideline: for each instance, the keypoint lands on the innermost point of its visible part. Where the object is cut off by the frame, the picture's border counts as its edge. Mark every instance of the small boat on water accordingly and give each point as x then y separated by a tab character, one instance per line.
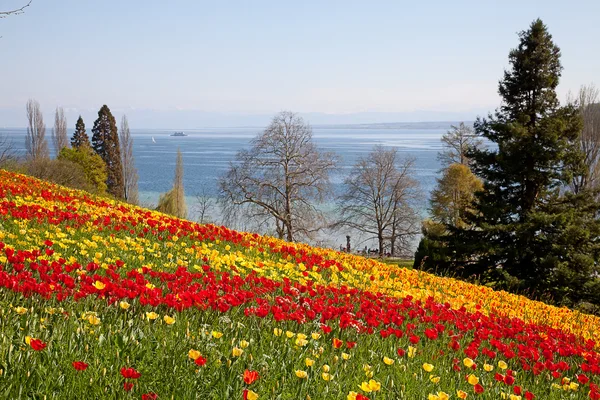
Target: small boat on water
179	134
153	141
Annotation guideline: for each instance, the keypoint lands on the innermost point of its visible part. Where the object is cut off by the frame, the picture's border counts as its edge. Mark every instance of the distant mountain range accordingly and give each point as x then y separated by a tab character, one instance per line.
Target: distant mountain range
195	119
397	125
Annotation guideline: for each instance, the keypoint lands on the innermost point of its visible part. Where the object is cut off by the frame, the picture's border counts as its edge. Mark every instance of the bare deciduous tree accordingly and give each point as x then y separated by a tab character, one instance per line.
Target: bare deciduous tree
4	14
204	207
35	142
379	199
280	179
456	142
130	175
588	102
60	139
6	150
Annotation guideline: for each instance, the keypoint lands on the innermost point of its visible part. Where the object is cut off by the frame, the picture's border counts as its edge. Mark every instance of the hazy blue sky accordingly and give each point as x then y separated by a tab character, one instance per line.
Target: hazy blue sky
262	57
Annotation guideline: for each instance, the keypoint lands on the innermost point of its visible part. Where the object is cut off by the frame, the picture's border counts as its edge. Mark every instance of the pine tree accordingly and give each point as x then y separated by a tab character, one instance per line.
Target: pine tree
105	142
521	233
80	138
173	202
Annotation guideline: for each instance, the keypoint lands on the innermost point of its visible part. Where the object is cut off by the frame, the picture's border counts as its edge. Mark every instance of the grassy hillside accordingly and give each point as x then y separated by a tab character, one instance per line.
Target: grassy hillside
100	299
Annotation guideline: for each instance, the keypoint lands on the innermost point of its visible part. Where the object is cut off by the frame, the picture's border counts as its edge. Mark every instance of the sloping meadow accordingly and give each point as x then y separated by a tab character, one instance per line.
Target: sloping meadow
100	299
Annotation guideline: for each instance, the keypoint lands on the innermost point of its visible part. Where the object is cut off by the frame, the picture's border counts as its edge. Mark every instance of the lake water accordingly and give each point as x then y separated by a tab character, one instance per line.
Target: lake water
207	153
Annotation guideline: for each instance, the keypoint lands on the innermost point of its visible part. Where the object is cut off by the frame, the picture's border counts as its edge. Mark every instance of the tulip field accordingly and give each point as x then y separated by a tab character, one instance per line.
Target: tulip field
101	299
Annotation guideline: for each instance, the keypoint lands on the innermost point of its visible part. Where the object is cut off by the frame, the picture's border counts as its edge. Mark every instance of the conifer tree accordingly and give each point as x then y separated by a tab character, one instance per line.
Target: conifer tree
105	142
80	138
523	233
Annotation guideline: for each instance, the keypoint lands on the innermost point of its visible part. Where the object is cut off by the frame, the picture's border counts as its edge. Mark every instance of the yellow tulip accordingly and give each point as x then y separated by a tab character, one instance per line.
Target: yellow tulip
93	320
169	320
346	356
244	344
473	380
309	362
325	368
412	351
236	351
289	334
461	394
193	354
434	379
20	310
388	361
124	305
277	332
301	374
251	395
351	396
151	315
315	335
216	334
99	285
326	376
301	342
428	367
488	367
502	364
371	386
468	362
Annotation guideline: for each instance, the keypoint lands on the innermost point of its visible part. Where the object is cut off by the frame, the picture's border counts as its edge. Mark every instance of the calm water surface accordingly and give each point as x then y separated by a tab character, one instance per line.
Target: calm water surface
208	152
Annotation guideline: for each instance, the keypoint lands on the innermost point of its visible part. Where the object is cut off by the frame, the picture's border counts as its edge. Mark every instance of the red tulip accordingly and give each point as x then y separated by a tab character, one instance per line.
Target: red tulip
130	373
80	365
250	376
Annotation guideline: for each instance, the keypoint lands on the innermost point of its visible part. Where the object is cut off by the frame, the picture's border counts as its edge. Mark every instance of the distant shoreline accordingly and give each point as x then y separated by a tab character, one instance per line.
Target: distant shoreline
378	125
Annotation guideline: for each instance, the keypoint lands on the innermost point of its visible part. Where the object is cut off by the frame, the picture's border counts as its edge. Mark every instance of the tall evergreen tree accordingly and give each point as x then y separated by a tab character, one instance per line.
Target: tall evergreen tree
105	142
80	138
523	233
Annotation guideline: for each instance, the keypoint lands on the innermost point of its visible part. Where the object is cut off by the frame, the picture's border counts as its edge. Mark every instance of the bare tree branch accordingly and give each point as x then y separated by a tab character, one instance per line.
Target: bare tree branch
457	142
379	199
6	150
204	207
4	14
279	179
60	139
35	142
130	174
588	102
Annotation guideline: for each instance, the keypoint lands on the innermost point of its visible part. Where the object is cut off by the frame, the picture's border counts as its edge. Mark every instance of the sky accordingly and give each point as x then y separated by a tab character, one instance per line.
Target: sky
226	62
